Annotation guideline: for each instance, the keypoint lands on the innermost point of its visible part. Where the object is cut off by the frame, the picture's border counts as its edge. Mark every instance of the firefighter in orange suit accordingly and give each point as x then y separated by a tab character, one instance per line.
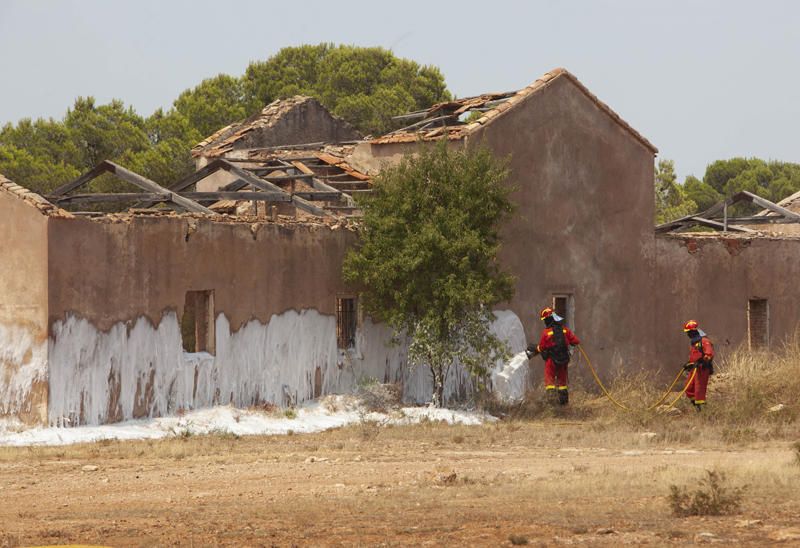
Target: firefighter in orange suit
554	348
701	360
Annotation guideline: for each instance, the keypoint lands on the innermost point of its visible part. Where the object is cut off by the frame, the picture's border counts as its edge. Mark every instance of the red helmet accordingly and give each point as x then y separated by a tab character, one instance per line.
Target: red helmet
691	325
546	312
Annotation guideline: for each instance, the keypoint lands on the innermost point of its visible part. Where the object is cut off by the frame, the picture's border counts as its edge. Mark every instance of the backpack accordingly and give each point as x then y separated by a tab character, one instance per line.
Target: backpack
699	346
560	352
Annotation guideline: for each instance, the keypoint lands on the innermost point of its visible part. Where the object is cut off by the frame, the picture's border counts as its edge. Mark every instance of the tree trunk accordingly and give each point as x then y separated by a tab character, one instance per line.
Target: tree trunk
438	386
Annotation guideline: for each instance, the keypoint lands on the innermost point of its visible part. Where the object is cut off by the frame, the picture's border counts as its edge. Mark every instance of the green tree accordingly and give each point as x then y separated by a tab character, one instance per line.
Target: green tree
46	139
166	162
701	193
427	257
773	180
672	200
213	104
37	173
104	132
364	85
718	173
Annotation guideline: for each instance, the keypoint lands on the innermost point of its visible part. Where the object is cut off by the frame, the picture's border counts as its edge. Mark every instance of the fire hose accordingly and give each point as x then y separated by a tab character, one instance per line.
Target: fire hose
650	408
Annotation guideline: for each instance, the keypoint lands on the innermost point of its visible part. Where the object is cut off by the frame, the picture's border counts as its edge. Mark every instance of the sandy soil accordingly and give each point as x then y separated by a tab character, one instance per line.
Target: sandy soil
541	483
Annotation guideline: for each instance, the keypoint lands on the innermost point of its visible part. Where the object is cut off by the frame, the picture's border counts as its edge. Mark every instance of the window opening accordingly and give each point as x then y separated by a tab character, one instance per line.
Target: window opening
197	323
346	321
758	323
564	306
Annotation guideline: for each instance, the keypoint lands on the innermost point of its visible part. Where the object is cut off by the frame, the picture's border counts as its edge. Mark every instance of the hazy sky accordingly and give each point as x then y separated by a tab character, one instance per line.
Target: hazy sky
702	80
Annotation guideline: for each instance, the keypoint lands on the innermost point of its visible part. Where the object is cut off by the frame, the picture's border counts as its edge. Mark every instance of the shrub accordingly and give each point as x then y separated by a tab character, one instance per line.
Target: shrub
712	498
378	397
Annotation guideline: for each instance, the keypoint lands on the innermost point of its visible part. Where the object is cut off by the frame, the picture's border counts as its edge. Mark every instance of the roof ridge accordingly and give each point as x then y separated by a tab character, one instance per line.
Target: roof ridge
33	198
603	106
461	131
545	80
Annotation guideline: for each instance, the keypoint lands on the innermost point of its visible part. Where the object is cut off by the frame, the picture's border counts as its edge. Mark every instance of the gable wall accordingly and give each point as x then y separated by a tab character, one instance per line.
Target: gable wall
583	223
308	122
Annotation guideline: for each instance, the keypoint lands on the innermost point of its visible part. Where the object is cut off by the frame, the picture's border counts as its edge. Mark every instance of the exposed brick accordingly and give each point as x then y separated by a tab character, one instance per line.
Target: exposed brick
692	245
735	247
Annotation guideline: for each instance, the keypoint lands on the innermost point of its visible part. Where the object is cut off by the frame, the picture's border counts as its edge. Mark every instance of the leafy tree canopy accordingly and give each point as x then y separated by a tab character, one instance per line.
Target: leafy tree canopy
671	198
427	258
366	86
773	180
213	104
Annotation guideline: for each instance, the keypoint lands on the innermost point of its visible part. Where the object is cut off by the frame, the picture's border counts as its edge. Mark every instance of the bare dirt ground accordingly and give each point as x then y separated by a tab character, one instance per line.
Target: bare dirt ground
545	482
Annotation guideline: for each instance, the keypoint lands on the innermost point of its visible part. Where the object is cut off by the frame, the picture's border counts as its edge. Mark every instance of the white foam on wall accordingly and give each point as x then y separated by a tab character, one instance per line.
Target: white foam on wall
510	379
22	364
142	371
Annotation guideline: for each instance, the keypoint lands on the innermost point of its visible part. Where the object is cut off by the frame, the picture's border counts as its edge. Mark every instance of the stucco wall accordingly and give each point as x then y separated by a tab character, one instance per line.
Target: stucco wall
117	291
583	224
584	221
710	279
143	266
23	309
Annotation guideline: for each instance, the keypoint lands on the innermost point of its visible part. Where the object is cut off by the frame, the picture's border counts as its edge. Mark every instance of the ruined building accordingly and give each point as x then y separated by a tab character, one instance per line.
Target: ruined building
226	287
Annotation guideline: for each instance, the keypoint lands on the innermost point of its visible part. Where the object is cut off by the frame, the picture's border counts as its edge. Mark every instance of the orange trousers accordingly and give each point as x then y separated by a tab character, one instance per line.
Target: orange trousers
696	390
555	376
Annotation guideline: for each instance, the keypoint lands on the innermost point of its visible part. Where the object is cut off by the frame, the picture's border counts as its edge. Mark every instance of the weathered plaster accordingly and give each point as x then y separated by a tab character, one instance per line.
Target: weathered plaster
23	309
112	272
710	278
137	369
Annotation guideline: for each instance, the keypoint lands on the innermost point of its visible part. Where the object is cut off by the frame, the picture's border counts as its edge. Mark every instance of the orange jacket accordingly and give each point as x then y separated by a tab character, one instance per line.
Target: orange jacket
701	350
546	340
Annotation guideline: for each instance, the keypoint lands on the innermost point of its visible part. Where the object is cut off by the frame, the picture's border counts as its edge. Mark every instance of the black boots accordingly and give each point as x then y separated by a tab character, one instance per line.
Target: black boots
560	396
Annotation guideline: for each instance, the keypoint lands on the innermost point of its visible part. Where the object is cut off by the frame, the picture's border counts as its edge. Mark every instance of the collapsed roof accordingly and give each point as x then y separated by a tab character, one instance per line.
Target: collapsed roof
302	182
459	118
777	218
295	158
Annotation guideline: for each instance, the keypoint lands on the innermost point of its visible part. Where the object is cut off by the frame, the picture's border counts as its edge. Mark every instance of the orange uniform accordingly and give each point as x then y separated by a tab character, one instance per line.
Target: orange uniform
556	361
701	353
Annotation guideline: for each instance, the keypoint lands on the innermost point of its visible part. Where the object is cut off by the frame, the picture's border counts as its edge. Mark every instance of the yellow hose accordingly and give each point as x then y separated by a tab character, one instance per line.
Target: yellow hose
667	393
685	388
599	382
650	408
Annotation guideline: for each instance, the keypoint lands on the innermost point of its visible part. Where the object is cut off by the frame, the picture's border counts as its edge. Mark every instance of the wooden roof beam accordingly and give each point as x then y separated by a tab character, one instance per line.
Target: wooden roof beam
766	204
135	179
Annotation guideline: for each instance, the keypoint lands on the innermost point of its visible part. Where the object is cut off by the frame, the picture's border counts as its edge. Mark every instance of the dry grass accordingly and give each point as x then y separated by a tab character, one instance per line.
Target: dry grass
752	397
592	465
749	384
432	482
